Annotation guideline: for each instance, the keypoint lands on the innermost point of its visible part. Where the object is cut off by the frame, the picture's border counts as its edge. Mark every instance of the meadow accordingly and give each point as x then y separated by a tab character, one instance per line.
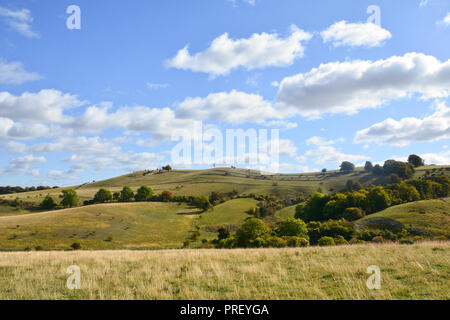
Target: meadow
419	271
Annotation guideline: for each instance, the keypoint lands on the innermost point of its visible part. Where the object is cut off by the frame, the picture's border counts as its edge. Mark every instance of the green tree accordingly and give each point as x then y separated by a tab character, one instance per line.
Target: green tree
250	230
144	193
69	198
48	203
368	166
293	228
102	195
415	161
402	169
202	203
326	241
126	194
313	208
352	214
116	196
378	199
347	166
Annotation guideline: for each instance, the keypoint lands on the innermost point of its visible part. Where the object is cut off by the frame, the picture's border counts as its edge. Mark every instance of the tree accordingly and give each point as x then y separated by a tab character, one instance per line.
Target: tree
313	208
202	203
166	196
415	161
223	233
377	170
402	169
144	193
368	166
293	228
347	166
250	230
352	214
335	207
126	194
116	196
102	195
69	198
408	193
48	203
215	198
167	168
378	199
324	170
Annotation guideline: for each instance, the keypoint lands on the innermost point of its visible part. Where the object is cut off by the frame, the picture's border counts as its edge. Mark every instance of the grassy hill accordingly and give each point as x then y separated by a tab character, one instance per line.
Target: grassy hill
427	217
418	271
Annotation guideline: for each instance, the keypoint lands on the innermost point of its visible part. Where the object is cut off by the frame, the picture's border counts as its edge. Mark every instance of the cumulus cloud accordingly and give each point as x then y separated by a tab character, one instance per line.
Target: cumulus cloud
407	130
319	141
25	165
329	154
359	34
14	73
259	51
45	106
19	20
446	20
233	107
346	87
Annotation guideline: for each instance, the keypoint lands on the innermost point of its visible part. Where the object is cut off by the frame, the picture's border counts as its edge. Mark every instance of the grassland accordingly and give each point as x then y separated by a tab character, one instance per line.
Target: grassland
420	271
130	225
427	217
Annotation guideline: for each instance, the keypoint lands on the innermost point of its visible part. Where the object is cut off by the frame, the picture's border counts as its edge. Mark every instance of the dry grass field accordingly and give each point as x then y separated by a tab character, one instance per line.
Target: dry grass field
419	271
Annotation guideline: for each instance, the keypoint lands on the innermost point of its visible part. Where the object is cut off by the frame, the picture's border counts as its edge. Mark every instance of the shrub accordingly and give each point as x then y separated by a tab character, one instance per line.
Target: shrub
402	169
406	241
258	243
27	249
48	203
378	170
326	241
166	196
340	241
116	196
223	233
356	241
102	195
293	228
368	166
75	246
69	199
144	193
276	242
378	239
202	203
38	248
352	214
296	242
126	194
378	199
228	243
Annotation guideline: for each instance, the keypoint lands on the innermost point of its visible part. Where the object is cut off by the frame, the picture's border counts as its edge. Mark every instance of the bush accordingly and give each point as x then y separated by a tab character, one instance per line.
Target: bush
378	170
340	241
166	196
258	243
378	239
356	241
38	248
276	242
228	243
223	233
406	241
368	166
296	242
352	214
103	195
402	169
326	241
144	193
48	203
75	246
378	199
293	228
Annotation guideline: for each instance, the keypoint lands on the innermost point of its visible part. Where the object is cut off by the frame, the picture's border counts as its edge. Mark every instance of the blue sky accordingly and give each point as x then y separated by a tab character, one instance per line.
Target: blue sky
86	104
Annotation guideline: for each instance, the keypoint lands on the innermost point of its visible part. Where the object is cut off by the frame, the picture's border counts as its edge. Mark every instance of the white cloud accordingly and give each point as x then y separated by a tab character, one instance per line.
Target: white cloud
446	20
346	87
258	51
14	73
329	154
355	34
45	106
157	86
407	130
19	20
319	141
24	165
233	107
441	158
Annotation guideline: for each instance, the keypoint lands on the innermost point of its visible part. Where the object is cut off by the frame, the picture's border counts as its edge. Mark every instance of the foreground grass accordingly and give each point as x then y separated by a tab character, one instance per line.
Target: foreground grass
418	271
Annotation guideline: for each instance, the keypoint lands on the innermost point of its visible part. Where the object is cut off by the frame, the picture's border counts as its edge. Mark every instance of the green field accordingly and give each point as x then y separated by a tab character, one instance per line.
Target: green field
419	271
427	217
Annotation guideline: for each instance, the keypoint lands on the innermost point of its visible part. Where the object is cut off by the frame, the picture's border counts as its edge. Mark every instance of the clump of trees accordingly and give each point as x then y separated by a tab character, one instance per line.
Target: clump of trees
354	204
48	203
347	166
69	198
17	189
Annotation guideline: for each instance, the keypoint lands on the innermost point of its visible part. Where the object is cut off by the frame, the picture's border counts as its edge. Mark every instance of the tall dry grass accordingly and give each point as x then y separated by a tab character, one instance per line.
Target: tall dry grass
419	271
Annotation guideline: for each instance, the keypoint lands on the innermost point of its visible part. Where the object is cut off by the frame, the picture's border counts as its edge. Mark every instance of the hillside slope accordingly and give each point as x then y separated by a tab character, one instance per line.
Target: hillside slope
427	217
